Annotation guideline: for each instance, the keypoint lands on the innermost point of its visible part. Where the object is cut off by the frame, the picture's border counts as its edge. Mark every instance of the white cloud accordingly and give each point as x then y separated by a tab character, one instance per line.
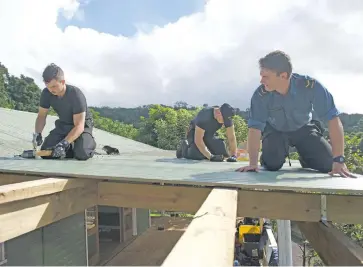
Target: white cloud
208	57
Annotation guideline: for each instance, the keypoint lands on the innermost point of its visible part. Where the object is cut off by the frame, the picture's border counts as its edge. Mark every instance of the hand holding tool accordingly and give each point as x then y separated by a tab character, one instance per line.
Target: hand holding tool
31	154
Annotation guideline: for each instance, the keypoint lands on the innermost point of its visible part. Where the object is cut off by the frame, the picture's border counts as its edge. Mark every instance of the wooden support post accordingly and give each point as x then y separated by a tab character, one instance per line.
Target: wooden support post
209	239
134	222
284	242
270	246
332	245
95	258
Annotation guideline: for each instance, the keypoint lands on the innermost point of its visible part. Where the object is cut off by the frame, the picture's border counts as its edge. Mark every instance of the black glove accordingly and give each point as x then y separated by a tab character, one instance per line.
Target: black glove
38	139
232	159
217	158
59	151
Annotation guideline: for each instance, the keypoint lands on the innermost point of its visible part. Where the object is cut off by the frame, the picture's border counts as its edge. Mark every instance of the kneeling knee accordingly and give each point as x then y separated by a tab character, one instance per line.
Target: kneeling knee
82	155
273	167
272	164
325	168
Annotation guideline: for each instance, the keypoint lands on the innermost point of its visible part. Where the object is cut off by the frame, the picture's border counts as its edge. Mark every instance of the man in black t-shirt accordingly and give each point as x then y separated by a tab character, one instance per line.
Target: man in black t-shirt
72	136
201	140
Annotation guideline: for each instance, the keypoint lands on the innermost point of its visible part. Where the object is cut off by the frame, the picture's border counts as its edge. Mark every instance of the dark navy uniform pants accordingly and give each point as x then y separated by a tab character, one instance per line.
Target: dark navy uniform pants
314	150
82	148
215	145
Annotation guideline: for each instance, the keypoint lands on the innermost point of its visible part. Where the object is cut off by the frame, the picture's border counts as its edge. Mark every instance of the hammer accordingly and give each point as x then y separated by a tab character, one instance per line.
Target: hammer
31	154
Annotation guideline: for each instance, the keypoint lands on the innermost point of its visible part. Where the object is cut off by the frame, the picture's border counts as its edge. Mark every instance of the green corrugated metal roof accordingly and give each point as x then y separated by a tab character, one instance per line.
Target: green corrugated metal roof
16	129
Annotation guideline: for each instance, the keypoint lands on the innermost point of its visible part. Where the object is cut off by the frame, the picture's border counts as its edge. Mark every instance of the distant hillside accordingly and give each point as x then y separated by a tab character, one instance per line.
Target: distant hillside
21	93
132	116
352	122
125	115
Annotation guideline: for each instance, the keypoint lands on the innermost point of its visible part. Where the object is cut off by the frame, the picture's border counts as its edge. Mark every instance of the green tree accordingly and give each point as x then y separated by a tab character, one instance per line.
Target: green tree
24	93
173	127
147	131
353	154
115	127
165	126
5	100
240	128
360	125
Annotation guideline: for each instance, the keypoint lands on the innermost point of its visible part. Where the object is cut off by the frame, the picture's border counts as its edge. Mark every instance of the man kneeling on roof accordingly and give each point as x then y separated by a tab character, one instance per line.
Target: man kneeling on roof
283	109
201	140
72	136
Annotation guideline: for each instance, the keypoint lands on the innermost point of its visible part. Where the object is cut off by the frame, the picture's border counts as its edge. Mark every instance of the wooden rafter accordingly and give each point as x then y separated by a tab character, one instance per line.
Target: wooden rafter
209	239
266	204
16	178
23	209
332	245
36	188
175	198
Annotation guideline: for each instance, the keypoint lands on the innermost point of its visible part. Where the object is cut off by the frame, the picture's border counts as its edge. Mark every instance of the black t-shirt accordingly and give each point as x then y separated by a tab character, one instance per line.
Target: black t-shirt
72	102
205	120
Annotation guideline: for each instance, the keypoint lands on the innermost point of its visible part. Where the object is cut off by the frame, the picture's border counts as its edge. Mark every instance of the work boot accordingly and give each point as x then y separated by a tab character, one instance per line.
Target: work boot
262	164
185	146
182	149
303	163
179	152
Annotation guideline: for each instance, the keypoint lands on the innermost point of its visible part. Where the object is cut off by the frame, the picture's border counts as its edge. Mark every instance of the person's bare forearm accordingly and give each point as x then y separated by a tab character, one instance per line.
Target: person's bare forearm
40	124
74	133
232	144
203	149
253	143
336	134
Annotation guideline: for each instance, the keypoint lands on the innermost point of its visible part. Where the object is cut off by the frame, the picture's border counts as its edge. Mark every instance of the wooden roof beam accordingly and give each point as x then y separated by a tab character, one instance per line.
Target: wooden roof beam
251	203
332	245
41	187
159	197
6	178
30	205
47	200
209	239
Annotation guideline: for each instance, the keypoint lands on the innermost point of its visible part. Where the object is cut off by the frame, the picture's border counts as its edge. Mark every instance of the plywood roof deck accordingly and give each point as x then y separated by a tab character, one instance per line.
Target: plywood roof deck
142	163
166	169
145	177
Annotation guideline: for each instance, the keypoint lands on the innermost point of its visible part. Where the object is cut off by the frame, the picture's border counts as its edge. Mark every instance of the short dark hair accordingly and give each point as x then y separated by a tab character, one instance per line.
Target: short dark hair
277	61
52	71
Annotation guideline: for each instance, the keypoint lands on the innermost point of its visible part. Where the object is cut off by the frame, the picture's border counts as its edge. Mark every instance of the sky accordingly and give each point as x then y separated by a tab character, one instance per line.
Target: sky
126	53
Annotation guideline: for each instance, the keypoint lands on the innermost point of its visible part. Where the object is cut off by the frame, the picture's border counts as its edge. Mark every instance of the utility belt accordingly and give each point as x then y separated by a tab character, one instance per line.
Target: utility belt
318	125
